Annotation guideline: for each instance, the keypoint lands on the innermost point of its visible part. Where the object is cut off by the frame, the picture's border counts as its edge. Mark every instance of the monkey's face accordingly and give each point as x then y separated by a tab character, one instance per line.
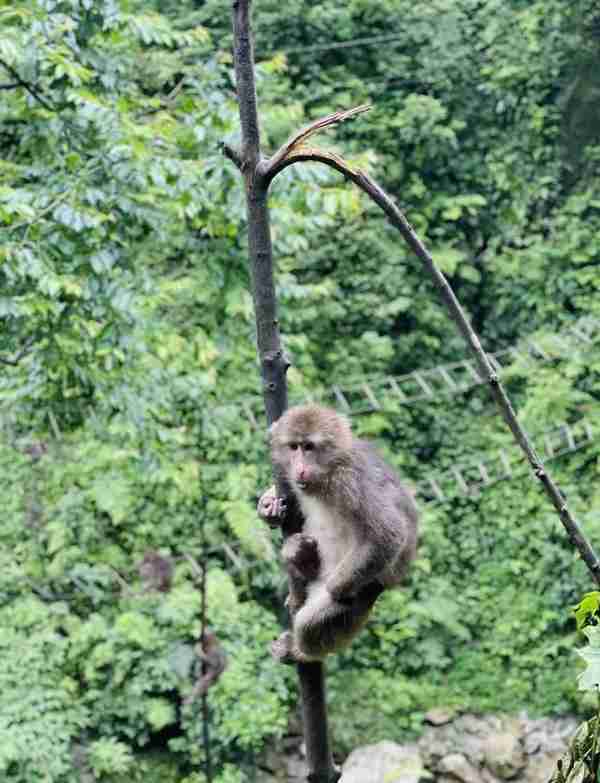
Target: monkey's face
309	442
307	466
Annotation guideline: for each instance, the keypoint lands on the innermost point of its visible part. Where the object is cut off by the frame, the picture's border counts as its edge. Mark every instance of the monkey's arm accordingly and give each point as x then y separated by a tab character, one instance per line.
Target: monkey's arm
368	510
301	556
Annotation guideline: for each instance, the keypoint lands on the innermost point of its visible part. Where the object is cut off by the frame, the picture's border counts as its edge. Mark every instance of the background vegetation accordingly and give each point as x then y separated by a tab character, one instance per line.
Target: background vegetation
127	356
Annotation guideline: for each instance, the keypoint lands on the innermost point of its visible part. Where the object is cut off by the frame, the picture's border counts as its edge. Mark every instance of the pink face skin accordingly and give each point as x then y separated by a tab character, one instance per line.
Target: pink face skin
303	467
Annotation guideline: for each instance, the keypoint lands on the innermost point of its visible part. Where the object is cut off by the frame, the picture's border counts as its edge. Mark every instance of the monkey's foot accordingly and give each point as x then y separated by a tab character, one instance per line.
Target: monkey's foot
283	650
283	647
271	508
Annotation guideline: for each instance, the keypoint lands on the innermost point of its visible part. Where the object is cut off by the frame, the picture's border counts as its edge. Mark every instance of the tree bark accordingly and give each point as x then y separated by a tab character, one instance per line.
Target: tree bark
273	363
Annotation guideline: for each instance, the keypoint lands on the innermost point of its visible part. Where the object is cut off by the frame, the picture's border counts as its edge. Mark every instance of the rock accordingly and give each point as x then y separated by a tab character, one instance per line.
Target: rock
541	767
464	735
548	735
473	747
503	754
271	760
435	743
456	765
292	744
478	724
385	762
439	716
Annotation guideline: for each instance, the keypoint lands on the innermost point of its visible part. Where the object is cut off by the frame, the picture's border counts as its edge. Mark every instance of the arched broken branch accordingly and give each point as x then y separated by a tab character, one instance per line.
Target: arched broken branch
295	152
296	144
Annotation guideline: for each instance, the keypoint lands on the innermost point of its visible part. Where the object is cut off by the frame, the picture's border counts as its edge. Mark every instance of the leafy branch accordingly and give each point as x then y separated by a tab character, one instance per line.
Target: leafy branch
14	360
31	89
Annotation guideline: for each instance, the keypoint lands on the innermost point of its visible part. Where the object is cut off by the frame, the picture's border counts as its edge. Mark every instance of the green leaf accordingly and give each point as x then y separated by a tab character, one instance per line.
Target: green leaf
587	608
590	678
112	494
136	628
159	713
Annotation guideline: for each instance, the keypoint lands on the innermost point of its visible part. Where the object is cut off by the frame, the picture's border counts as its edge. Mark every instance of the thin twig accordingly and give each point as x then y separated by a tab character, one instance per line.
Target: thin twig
33	91
28	223
20	355
200	576
233	155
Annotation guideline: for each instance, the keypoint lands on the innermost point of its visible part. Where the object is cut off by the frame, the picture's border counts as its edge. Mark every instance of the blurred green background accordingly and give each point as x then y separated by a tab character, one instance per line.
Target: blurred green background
128	363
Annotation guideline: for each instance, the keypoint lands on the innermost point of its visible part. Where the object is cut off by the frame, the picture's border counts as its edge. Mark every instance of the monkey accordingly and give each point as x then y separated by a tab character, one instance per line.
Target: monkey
214	663
36	450
156	572
359	535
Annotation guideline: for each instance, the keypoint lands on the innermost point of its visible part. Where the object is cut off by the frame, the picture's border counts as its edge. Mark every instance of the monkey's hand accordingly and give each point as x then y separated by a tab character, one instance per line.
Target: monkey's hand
301	553
342	593
270	508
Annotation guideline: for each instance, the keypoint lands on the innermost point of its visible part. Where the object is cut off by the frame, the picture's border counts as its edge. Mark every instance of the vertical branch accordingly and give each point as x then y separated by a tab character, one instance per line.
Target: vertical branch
273	363
245	84
314	721
204	697
200	576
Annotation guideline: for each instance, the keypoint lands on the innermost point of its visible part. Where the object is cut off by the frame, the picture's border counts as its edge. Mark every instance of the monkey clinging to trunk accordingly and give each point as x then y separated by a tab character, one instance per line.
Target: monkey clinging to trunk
359	534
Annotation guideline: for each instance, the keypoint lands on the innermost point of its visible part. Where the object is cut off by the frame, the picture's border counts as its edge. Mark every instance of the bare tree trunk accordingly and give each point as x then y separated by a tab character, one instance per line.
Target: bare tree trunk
273	363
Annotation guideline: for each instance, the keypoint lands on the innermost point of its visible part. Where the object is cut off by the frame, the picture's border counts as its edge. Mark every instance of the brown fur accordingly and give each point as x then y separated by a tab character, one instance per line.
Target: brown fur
359	535
214	663
156	572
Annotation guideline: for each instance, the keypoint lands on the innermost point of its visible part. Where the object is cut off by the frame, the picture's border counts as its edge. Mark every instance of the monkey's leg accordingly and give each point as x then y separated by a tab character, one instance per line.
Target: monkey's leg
301	556
323	626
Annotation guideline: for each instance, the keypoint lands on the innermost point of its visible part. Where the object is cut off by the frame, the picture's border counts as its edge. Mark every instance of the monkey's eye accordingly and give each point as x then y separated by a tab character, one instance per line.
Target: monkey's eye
308	446
293	446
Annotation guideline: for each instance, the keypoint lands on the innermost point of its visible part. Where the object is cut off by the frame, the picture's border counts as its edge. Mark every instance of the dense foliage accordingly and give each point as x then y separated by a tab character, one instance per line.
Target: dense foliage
127	360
